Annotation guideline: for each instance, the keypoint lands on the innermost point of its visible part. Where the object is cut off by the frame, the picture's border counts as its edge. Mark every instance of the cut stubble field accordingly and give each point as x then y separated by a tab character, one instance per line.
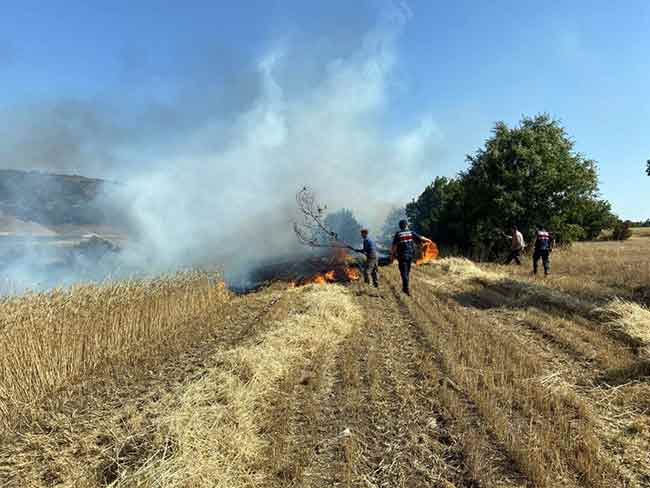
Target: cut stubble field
485	376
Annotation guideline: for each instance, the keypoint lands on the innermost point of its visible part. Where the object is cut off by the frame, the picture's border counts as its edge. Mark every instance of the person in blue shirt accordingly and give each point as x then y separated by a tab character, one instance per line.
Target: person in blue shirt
370	267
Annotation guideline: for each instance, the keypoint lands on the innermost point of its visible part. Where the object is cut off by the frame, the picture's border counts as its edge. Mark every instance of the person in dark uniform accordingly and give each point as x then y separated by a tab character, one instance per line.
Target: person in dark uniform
543	248
404	250
370	251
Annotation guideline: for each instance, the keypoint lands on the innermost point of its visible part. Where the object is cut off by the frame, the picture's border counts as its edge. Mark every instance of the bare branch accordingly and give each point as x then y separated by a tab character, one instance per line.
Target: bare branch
310	229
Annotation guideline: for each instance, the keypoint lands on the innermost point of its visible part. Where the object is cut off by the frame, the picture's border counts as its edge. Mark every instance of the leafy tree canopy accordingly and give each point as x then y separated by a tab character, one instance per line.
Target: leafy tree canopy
526	175
622	230
439	213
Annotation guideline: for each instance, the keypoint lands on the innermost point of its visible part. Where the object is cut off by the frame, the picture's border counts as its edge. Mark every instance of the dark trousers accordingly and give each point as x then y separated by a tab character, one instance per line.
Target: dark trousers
370	269
405	271
543	254
514	256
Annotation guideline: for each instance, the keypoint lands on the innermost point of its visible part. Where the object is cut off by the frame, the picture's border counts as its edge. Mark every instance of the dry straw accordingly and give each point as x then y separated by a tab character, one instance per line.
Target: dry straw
49	341
219	426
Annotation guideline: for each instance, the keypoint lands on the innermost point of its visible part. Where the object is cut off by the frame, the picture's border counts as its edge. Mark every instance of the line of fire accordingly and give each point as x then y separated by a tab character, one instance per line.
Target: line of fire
333	261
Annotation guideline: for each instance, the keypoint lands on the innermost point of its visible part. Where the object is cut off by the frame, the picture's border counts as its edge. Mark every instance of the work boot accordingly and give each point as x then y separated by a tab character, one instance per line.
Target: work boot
406	290
375	284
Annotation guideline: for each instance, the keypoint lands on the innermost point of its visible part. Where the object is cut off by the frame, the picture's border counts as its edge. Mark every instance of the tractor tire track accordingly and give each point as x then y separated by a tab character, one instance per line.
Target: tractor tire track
379	425
577	363
485	461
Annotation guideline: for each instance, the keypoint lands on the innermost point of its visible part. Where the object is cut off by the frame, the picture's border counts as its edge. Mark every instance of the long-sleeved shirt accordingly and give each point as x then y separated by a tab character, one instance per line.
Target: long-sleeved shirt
369	248
403	241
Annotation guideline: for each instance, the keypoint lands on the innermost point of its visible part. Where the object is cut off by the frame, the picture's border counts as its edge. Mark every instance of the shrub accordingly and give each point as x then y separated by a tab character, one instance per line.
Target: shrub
622	231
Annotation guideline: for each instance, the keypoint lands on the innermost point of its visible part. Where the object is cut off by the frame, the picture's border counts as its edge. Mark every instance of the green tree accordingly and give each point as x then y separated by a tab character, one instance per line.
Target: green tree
622	230
647	167
344	224
531	174
385	237
439	213
526	175
592	216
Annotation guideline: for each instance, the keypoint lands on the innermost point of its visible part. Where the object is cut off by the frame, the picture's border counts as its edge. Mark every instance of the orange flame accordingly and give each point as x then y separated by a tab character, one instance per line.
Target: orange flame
429	252
341	274
319	279
352	273
341	271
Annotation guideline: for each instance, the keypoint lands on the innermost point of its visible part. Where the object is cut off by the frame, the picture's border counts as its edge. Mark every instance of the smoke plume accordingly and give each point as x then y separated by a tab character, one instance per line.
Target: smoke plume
211	175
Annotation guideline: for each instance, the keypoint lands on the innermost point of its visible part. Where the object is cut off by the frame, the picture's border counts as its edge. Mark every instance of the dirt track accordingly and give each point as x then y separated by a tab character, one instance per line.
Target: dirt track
405	405
386	394
467	383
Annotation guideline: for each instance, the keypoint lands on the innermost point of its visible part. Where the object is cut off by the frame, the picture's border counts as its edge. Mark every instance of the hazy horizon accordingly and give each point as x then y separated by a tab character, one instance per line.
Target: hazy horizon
215	115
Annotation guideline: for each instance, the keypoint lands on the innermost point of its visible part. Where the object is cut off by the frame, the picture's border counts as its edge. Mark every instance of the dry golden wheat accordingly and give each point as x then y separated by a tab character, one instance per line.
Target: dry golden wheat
50	340
221	423
484	376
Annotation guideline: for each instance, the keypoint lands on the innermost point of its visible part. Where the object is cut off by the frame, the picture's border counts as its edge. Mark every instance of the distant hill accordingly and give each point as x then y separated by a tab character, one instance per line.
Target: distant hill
51	199
12	226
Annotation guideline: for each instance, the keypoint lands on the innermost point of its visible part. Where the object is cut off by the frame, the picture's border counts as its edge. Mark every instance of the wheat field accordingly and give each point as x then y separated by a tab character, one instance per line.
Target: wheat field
53	340
485	377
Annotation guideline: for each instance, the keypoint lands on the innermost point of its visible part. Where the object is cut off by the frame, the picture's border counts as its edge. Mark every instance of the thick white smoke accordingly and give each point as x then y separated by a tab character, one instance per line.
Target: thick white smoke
238	201
224	192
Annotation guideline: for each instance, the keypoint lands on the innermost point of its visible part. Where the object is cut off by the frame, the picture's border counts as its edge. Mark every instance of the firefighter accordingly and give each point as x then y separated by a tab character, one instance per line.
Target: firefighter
403	249
516	247
369	249
543	248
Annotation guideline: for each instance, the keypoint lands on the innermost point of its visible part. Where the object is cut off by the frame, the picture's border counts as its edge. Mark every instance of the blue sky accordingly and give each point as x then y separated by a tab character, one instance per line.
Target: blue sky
461	65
